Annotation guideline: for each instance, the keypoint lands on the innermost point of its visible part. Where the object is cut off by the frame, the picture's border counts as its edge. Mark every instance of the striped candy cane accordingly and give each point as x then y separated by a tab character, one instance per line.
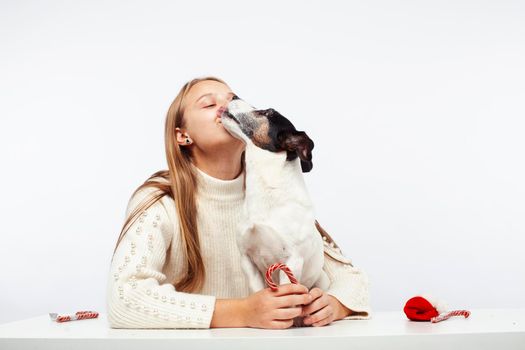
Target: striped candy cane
285	269
80	315
447	315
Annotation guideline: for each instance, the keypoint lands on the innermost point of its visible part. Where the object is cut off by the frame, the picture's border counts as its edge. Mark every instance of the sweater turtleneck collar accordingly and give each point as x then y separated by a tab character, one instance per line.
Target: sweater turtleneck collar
221	190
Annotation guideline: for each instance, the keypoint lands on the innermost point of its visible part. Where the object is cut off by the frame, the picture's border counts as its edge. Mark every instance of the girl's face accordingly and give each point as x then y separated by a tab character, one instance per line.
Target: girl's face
203	106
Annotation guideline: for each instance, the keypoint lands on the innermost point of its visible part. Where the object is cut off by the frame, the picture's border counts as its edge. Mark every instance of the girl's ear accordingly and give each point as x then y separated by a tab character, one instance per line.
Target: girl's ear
180	134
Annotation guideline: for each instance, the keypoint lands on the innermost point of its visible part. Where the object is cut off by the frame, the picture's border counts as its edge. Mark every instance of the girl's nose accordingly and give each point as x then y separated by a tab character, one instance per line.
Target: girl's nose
221	110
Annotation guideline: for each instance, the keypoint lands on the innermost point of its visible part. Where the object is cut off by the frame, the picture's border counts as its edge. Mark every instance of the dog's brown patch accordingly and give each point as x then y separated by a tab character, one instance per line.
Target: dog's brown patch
260	136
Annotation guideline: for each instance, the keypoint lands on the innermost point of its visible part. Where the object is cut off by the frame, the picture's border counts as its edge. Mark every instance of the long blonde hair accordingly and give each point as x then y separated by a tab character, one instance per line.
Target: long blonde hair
181	186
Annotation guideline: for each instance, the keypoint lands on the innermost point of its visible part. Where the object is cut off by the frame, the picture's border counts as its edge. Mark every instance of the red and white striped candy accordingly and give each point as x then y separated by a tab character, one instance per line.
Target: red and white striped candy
285	269
447	315
80	315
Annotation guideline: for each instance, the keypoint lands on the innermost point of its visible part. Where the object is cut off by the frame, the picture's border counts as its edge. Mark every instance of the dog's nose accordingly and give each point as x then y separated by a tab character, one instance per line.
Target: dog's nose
269	112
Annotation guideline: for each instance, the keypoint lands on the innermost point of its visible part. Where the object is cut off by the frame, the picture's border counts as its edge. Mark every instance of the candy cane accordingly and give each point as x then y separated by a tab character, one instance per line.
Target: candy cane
284	268
447	315
80	315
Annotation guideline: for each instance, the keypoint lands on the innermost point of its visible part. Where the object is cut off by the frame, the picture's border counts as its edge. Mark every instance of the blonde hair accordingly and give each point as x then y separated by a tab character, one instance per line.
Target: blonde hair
181	186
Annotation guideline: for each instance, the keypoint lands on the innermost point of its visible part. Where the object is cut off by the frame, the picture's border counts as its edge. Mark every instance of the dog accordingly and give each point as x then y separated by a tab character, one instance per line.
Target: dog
278	214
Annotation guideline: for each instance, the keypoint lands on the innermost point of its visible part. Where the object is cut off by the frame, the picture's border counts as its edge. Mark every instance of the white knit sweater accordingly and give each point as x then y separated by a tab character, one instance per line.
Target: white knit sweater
149	258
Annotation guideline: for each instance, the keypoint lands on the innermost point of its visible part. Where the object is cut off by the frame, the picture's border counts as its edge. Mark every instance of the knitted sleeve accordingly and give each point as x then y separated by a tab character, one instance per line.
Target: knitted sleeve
138	295
348	283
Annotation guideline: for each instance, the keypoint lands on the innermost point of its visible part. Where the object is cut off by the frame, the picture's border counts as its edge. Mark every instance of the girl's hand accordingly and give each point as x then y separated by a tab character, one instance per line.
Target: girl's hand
324	309
269	309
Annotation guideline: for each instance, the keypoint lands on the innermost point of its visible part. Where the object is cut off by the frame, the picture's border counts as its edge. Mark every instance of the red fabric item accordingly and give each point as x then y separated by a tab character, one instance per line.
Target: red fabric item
420	309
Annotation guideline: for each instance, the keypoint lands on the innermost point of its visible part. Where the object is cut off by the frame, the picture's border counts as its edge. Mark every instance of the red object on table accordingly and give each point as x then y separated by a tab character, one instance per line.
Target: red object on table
419	308
80	315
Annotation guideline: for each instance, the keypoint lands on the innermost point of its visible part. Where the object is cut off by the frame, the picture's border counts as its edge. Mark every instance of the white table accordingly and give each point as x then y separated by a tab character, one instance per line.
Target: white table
484	329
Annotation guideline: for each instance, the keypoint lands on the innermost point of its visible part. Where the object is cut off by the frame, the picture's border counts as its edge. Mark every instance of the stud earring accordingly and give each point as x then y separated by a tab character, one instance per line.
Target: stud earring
188	140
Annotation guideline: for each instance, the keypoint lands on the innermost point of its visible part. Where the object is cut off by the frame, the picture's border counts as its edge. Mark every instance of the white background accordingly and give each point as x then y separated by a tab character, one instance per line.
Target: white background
416	110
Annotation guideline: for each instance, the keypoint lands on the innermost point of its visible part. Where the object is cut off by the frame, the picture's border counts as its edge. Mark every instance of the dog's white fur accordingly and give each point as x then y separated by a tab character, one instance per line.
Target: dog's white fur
279	218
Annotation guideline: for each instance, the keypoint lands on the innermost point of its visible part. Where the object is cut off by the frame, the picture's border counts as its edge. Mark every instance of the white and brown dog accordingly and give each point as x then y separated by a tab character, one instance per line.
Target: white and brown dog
279	216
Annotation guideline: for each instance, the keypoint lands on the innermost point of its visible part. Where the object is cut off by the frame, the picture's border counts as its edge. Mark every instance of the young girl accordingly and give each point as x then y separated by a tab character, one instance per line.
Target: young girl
176	263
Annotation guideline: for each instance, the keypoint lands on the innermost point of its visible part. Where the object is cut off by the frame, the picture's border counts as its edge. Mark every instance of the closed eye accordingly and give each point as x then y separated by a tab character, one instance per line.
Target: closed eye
210	106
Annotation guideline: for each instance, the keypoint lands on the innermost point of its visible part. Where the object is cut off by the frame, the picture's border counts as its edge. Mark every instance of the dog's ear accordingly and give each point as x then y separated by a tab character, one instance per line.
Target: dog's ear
298	144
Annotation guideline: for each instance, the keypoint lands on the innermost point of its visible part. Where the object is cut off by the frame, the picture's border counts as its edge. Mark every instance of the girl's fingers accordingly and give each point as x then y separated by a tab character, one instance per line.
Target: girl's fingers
292	300
290	288
287	314
316	293
312	308
281	324
319	316
323	322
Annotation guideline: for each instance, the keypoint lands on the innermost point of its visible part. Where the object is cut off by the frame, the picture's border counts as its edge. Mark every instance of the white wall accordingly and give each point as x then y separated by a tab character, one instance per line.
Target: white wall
416	110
